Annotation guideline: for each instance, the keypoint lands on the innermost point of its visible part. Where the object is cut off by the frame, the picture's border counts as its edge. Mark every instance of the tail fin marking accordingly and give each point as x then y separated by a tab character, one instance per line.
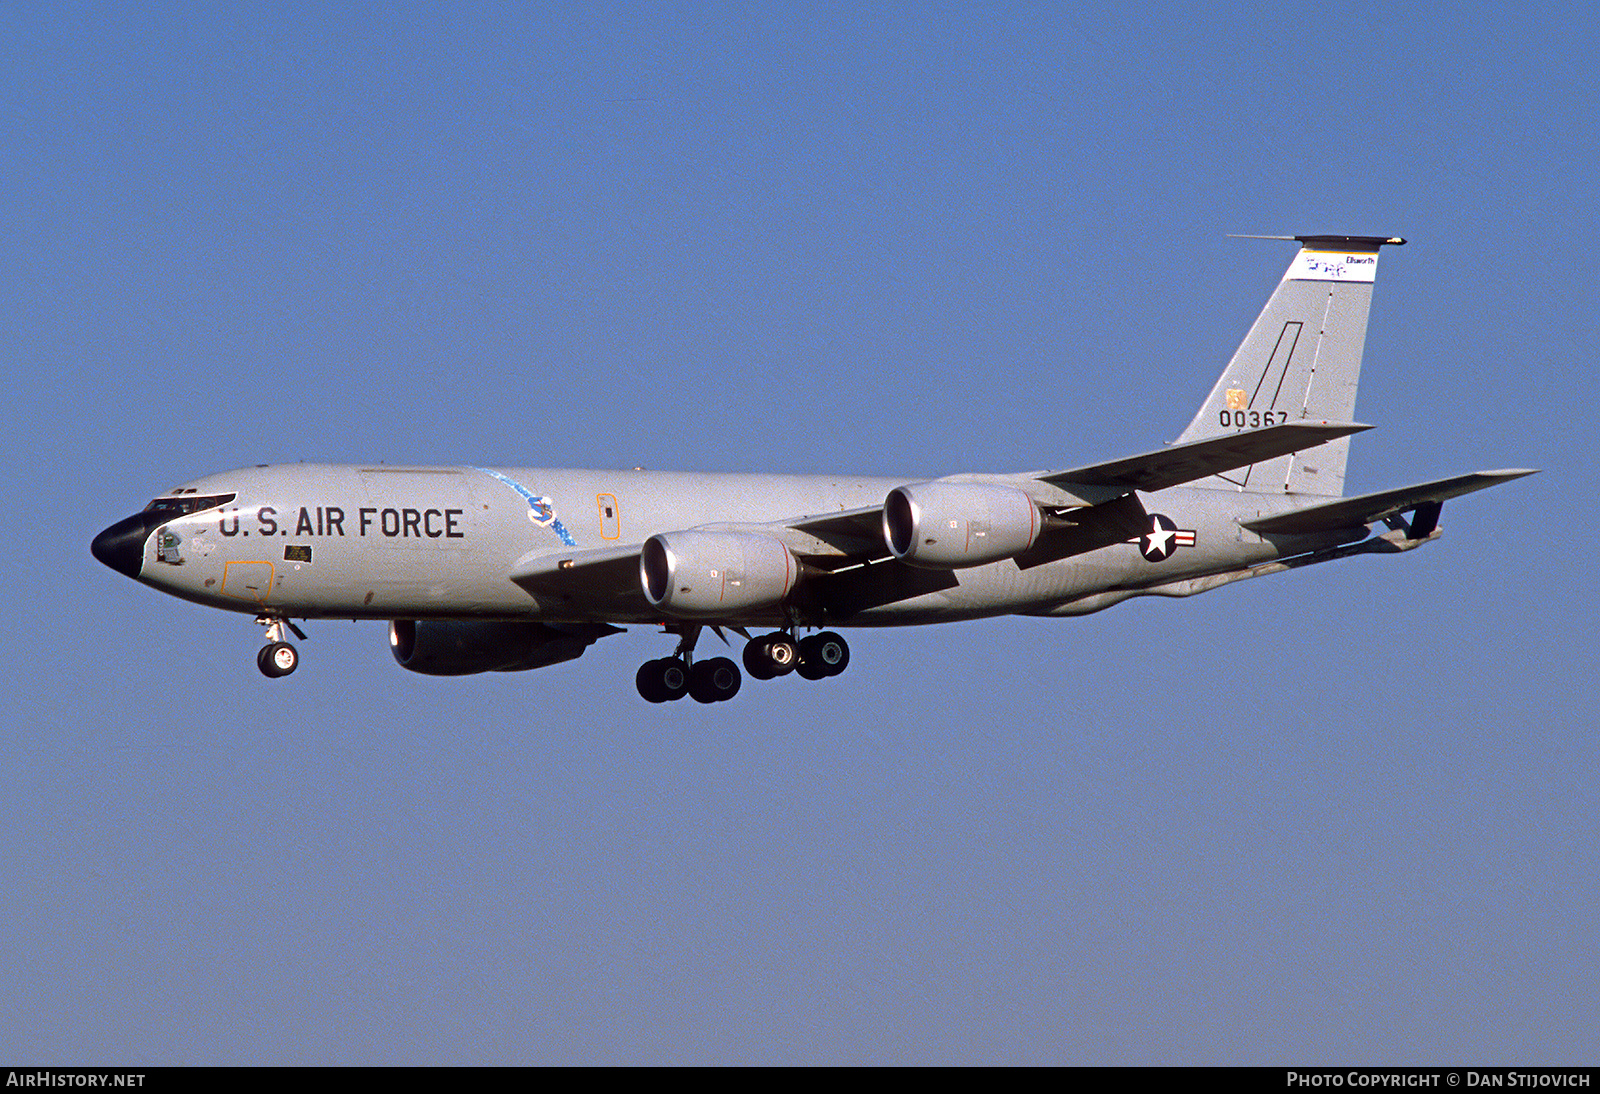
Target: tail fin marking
1282	372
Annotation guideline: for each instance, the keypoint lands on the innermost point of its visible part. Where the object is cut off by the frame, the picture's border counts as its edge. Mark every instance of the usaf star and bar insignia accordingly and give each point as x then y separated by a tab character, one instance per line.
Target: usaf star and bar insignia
1163	538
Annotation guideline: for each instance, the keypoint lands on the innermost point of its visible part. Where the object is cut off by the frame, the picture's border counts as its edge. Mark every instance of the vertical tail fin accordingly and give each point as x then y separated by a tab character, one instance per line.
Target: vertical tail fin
1301	359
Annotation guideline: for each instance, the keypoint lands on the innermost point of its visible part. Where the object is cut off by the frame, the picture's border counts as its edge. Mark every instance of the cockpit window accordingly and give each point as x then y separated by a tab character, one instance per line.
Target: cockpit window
180	507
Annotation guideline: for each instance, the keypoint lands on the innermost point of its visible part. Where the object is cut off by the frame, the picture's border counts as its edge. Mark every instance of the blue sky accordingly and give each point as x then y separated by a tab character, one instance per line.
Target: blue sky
1344	815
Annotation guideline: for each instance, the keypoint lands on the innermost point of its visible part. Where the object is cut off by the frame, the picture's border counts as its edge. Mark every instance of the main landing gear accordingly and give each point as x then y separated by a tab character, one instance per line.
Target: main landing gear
777	654
277	657
709	681
765	657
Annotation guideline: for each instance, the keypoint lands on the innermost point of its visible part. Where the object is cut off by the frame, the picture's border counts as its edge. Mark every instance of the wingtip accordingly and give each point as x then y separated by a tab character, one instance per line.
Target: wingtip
1324	424
1364	243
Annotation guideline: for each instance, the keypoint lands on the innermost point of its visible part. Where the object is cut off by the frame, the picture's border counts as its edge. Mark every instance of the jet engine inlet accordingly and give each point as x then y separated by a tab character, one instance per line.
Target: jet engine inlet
950	525
715	574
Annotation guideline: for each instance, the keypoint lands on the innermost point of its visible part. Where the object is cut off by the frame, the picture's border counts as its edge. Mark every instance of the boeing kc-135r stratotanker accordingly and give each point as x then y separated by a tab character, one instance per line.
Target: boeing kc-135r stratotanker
480	569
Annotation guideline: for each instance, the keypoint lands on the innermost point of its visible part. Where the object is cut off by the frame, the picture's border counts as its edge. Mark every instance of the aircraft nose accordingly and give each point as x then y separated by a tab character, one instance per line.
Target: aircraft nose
121	546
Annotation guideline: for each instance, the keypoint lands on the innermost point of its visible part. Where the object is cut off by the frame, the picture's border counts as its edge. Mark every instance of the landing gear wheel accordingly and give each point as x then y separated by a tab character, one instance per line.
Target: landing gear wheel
674	678
783	653
648	684
662	681
277	659
823	655
771	655
755	660
833	651
714	681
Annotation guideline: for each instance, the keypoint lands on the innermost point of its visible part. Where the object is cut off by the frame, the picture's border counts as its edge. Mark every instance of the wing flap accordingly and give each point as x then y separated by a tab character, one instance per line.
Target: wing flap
1180	463
1371	508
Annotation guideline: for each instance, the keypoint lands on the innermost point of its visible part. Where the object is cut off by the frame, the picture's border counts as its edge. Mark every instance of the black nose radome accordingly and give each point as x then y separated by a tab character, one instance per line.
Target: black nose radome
122	545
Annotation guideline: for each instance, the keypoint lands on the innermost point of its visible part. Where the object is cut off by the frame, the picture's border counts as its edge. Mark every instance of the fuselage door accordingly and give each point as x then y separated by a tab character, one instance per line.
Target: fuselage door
610	516
247	581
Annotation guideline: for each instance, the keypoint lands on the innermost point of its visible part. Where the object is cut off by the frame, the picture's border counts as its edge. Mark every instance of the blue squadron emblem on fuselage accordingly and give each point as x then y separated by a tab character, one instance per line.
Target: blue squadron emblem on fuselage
541	510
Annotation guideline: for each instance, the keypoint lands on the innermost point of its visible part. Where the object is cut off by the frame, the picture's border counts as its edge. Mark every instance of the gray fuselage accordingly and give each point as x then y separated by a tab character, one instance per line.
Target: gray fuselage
353	542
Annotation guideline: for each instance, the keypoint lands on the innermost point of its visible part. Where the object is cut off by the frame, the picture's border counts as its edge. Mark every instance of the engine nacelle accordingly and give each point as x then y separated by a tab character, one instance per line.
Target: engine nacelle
704	575
451	647
948	525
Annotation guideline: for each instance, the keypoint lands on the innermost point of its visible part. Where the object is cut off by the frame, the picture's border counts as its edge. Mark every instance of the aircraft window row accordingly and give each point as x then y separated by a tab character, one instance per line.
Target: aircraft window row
180	507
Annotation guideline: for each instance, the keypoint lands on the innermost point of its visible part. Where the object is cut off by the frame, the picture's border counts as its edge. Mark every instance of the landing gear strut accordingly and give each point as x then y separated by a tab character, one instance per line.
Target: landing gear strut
277	657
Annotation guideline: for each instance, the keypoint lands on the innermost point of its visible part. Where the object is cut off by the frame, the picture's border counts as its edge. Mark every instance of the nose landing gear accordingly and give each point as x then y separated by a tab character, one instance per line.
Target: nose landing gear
278	658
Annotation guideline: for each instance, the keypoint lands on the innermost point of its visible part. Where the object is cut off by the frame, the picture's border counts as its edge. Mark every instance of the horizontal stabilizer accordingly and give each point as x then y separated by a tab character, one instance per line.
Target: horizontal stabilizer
1180	463
1371	508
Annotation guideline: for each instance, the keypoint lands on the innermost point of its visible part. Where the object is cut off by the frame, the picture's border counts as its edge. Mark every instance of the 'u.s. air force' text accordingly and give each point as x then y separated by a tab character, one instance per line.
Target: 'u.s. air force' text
330	520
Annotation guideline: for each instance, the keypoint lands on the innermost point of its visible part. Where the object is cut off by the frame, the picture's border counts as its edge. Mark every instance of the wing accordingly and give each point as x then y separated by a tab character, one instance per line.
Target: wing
584	582
605	581
829	540
1371	508
1180	463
